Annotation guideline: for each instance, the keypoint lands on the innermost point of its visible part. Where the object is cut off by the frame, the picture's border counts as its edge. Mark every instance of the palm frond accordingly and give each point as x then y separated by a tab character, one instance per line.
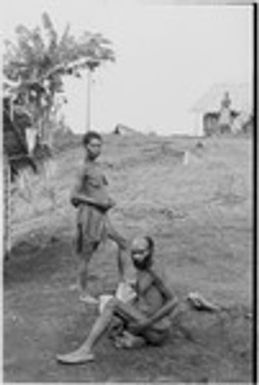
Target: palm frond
40	57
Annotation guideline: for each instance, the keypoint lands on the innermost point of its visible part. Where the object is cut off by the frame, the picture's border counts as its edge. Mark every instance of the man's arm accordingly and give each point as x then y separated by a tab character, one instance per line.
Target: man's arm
162	312
161	285
171	303
159	315
171	300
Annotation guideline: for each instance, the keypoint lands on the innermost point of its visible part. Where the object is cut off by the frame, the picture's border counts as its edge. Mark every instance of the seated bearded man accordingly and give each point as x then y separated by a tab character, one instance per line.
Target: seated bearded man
145	318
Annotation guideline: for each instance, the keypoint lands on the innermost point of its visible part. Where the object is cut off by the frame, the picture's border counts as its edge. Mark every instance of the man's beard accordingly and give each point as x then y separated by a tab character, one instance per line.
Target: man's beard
144	264
92	156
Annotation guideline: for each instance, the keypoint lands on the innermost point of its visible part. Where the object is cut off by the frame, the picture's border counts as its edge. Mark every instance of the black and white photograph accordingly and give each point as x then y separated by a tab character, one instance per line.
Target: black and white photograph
128	131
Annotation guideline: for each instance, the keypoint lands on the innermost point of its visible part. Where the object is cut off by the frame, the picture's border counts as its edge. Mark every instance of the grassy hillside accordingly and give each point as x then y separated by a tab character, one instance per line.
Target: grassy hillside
200	216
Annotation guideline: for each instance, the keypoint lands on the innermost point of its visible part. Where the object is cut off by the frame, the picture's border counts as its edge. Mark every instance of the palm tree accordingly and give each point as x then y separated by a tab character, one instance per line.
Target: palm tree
39	60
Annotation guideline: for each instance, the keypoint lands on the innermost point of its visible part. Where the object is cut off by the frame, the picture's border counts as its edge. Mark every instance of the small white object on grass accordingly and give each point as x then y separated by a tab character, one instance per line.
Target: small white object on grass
201	303
186	158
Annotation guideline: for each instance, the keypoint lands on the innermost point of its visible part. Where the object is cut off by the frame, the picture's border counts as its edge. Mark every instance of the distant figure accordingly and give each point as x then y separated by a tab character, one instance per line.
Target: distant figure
144	318
117	130
91	198
225	114
199	145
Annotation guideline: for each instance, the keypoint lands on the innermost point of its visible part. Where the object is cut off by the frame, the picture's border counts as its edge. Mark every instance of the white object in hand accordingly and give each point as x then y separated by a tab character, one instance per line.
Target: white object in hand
124	293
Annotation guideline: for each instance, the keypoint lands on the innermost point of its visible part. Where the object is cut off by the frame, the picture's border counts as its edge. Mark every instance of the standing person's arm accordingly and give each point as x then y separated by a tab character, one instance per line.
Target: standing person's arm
78	197
75	193
121	262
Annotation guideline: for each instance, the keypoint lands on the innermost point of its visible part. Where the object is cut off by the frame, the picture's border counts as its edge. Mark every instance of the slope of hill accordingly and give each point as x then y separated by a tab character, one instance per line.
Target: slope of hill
200	216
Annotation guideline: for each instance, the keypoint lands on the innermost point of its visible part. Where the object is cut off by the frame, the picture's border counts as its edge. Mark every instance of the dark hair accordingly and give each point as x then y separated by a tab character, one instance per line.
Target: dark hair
151	244
89	136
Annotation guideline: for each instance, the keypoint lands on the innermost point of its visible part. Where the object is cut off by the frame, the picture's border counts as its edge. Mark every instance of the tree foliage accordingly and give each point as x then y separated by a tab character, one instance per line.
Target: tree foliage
35	64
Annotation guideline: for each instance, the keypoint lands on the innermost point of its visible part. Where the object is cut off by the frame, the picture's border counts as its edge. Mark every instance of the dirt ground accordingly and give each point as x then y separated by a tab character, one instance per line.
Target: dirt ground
200	216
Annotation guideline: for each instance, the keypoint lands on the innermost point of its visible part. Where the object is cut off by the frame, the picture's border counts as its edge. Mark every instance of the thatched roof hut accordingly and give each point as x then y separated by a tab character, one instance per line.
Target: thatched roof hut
210	103
240	95
121	129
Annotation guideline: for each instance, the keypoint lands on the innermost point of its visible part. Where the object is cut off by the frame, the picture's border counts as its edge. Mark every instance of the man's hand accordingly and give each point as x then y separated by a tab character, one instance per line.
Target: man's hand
137	327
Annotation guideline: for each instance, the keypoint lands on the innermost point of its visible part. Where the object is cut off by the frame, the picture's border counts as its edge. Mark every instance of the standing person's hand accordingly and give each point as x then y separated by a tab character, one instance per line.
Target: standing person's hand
75	202
111	203
108	204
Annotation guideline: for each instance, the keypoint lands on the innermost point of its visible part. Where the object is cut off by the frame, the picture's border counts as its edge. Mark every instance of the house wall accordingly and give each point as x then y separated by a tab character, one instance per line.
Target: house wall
210	123
198	124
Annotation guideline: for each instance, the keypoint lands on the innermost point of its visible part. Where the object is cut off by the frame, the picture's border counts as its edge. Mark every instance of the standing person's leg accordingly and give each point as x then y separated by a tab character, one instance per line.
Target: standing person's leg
113	234
85	251
90	233
85	258
122	244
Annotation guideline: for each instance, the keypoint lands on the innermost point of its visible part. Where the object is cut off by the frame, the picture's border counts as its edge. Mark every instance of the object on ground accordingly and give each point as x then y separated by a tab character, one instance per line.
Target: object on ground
200	303
186	158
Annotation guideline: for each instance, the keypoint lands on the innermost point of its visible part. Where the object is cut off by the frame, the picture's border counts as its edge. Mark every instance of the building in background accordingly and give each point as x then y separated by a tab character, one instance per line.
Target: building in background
223	105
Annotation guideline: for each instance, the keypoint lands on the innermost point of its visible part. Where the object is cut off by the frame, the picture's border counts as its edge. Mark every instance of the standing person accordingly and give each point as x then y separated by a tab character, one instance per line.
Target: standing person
145	318
225	120
92	201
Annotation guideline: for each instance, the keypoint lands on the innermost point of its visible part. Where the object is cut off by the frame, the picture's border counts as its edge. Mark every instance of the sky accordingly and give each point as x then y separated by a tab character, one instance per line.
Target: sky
167	57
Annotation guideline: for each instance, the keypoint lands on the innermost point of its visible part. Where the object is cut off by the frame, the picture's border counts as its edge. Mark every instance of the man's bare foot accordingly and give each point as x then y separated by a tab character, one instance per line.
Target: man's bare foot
89	299
128	341
79	356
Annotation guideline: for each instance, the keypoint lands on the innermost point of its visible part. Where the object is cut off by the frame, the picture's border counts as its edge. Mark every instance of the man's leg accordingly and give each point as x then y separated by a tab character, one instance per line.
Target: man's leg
129	313
155	337
150	335
84	353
